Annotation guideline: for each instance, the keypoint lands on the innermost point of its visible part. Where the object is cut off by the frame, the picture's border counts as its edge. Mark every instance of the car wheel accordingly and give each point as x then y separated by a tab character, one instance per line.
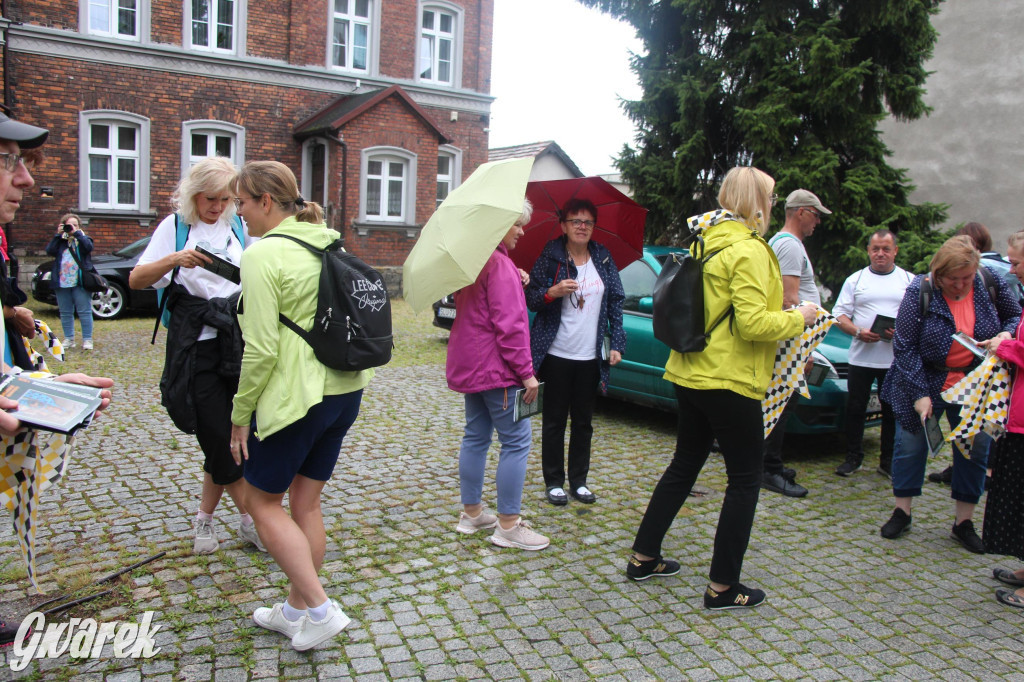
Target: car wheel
108	304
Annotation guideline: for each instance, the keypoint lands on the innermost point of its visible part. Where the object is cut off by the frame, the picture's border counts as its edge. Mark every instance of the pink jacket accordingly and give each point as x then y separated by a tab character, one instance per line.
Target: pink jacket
489	345
1013	351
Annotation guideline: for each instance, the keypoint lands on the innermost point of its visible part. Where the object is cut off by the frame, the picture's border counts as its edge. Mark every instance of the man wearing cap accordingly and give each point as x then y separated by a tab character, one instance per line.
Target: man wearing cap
803	213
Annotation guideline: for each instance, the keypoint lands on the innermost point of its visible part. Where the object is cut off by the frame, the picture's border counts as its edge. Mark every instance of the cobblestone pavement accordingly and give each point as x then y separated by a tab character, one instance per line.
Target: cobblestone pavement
428	603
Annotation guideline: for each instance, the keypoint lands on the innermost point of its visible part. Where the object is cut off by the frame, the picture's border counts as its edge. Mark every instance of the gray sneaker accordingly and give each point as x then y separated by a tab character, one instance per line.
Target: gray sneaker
248	534
519	536
206	538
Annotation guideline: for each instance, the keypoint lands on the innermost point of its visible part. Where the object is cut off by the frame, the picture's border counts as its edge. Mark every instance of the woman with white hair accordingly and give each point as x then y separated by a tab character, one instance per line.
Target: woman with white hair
204	349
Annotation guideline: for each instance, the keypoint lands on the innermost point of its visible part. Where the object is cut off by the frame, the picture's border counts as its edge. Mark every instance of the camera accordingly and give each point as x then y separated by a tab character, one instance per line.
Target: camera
68	228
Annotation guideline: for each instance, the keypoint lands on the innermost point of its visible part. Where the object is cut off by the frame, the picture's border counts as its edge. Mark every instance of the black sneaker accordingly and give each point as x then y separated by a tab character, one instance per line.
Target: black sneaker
778	483
897	525
964	533
789	474
736	597
944	476
642	570
848	467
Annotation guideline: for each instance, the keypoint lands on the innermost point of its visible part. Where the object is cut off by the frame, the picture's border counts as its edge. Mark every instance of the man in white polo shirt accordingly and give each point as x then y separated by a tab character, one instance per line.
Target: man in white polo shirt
866	310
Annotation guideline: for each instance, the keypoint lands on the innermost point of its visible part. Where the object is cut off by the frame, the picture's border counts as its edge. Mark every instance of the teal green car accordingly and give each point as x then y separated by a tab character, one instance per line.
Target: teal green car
637	378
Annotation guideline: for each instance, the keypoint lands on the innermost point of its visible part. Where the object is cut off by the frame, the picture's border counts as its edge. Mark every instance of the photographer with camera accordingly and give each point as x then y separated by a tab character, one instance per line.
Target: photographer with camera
71	249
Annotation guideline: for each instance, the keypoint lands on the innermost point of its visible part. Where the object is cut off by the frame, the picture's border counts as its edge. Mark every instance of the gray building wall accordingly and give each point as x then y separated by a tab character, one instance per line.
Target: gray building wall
969	152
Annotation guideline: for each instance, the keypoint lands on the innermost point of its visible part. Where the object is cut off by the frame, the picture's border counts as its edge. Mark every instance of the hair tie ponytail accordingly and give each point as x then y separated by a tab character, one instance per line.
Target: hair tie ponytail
299	201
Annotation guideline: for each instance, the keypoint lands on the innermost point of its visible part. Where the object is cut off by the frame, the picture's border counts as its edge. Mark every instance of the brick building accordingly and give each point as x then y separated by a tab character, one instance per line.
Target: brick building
379	106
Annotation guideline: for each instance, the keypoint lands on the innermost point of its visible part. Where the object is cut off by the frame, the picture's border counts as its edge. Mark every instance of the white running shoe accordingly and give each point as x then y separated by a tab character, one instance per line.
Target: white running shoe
273	619
206	538
248	534
68	343
314	632
519	536
87	344
471	524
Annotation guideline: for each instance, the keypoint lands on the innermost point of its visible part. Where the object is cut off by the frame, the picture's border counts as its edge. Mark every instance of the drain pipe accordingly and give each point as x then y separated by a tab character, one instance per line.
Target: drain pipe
6	57
338	139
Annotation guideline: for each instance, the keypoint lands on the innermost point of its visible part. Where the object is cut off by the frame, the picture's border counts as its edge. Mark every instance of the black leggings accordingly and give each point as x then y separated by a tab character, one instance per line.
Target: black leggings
737	423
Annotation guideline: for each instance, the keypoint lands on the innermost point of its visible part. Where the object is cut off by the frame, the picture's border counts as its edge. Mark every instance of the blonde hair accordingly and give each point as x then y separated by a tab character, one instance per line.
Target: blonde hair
1016	240
214	175
955	253
746	192
274	178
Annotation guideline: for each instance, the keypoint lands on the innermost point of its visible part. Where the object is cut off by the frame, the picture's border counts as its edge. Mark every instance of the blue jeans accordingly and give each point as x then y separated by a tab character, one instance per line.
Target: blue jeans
911	454
486	412
71	300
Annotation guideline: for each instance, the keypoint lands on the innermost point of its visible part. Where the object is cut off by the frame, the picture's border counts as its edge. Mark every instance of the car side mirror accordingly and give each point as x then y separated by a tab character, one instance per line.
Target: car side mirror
646	304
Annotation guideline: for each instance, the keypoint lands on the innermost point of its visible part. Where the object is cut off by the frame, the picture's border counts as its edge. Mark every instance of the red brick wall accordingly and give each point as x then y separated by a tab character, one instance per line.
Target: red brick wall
62	14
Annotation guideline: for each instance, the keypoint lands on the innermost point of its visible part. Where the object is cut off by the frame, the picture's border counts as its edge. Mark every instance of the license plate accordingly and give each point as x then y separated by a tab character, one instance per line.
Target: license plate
450	314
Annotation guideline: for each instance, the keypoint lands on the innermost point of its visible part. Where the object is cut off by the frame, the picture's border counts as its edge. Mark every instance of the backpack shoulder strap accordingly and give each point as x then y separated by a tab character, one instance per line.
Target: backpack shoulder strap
238	230
181	231
989	280
298	241
925	296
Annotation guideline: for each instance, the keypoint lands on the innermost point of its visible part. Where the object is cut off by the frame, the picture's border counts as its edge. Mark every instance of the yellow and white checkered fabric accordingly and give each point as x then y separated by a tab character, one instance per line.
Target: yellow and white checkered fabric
788	374
984	396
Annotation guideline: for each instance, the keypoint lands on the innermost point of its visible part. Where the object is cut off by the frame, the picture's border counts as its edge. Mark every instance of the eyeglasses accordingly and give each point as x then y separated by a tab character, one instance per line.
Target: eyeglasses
10	161
814	213
238	202
576	223
576	300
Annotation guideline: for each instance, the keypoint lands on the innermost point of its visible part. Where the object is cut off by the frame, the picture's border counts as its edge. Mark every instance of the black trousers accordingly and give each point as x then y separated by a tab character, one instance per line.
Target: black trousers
570	389
737	424
212	393
858	384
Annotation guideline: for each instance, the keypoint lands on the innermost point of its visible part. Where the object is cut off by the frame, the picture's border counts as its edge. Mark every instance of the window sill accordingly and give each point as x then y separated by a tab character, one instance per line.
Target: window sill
144	219
363	229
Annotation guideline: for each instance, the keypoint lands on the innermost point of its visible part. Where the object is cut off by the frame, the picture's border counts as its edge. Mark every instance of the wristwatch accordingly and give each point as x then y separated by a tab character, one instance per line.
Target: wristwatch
857	335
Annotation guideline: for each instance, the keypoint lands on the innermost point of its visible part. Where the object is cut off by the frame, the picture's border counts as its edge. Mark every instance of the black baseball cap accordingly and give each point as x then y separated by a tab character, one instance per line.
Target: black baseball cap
27	137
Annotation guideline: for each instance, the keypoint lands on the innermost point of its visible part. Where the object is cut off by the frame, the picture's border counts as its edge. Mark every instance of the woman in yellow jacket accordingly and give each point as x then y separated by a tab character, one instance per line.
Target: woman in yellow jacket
298	410
719	390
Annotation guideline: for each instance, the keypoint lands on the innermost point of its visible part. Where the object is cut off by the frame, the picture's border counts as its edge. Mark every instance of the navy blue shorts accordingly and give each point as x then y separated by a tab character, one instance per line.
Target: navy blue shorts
309	447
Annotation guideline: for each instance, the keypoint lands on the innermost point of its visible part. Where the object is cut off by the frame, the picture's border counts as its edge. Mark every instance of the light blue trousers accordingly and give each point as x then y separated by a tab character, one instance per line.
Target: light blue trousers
486	412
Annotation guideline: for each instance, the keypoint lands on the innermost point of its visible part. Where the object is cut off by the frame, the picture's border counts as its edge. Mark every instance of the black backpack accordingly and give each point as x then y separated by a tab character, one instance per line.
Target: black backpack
352	326
678	312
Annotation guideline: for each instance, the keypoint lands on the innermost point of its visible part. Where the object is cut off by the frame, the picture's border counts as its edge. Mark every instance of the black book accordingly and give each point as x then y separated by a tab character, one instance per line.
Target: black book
220	266
50	405
882	323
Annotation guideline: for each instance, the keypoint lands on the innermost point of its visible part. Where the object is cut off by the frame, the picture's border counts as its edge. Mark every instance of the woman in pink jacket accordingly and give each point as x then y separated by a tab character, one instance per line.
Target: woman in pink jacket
489	360
1003	532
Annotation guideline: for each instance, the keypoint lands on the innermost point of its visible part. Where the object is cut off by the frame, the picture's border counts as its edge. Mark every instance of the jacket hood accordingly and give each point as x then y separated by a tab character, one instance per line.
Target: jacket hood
722	229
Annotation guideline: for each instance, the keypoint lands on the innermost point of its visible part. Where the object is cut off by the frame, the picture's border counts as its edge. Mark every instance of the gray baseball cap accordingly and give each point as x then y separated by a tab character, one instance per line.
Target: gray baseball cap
801	198
27	137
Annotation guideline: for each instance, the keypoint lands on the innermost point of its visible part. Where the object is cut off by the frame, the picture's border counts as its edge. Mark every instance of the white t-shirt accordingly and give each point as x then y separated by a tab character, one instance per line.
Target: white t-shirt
576	338
219	239
864	295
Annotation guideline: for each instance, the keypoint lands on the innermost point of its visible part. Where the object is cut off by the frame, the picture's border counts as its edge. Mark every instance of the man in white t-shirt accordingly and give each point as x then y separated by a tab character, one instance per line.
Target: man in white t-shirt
866	310
803	214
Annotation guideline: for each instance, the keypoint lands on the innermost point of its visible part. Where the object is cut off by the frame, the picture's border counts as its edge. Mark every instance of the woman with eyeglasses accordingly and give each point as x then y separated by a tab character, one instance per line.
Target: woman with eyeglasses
576	337
204	348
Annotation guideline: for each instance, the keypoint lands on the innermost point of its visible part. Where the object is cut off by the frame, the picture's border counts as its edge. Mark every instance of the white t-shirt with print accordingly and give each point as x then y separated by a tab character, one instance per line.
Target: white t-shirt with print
576	338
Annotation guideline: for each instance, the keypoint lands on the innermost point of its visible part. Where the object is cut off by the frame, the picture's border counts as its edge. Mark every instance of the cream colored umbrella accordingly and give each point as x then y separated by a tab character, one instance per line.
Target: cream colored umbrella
464	230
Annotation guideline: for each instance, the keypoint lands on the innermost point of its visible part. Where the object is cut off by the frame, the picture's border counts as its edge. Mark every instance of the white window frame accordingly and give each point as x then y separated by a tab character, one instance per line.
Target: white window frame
454	176
142	18
86	119
422	54
241	11
232	130
389	154
372	38
307	170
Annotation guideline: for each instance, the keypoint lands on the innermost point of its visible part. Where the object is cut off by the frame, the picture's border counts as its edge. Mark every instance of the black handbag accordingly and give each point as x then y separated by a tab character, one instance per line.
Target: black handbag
92	281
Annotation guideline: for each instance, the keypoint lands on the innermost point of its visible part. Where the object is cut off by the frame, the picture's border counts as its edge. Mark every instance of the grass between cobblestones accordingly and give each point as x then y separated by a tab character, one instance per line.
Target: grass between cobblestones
428	603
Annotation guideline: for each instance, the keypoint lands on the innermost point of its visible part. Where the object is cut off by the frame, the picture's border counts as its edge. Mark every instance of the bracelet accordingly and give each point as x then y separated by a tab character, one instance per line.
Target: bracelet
857	335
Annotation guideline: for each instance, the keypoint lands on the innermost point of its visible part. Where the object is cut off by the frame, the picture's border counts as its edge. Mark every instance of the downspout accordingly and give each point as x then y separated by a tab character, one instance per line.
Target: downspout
339	140
6	58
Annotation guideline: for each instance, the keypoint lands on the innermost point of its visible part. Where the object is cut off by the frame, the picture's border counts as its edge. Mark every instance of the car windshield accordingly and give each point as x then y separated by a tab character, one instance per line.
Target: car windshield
133	249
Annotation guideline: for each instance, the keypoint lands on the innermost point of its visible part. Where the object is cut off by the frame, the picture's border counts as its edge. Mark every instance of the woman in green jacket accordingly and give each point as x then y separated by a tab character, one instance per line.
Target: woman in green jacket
298	410
719	390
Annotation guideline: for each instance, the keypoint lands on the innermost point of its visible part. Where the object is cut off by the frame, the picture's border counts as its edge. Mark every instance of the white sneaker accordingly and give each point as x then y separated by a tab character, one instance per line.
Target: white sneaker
68	343
519	536
471	524
206	538
314	632
273	619
248	534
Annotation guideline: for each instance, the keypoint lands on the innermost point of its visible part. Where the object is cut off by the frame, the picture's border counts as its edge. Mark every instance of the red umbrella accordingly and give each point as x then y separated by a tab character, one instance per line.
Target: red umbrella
620	220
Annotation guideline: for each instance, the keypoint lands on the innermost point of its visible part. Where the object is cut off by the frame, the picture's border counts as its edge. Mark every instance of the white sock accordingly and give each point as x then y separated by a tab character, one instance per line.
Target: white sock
318	613
203	516
292	613
246	519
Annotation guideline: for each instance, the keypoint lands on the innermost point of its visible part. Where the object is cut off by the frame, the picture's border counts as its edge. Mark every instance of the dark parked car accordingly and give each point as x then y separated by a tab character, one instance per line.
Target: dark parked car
115	268
444	312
